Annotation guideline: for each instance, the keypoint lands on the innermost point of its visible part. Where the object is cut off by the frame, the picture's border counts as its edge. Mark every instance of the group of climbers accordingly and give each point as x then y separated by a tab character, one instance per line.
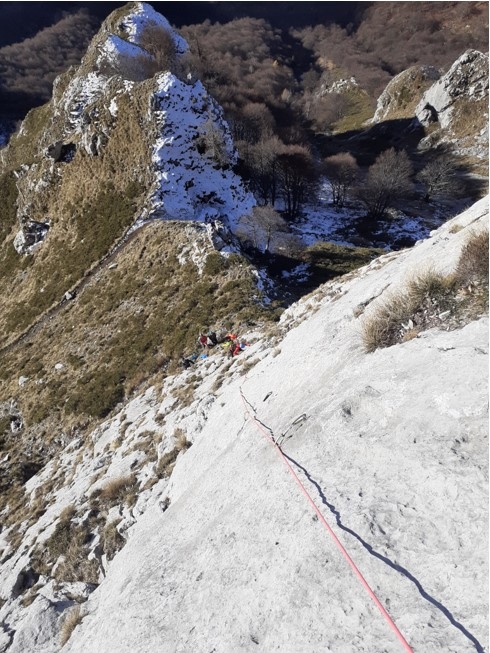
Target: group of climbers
209	339
232	345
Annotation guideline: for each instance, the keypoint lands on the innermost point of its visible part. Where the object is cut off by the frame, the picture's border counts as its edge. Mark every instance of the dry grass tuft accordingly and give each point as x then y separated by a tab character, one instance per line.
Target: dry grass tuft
112	540
472	266
118	490
71	621
166	464
64	556
433	300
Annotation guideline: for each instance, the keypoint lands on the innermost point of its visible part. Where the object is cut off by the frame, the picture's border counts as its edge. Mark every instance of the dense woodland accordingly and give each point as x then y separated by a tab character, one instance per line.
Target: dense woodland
239	46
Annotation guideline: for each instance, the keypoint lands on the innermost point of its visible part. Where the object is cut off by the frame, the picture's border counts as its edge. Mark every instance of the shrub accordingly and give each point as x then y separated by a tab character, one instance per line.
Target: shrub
473	262
388	180
409	312
160	44
118	490
440	177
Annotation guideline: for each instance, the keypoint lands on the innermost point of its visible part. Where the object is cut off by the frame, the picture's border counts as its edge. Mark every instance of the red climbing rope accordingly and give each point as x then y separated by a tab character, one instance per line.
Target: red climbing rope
322	519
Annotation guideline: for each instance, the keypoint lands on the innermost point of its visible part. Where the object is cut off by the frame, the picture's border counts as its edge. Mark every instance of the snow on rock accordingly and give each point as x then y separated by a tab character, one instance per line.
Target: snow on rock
193	156
392	448
112	54
116	51
143	15
81	92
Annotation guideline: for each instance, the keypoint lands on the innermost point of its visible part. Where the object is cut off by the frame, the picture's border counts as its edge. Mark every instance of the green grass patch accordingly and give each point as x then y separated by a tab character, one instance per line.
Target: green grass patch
98	223
97	393
360	110
24	146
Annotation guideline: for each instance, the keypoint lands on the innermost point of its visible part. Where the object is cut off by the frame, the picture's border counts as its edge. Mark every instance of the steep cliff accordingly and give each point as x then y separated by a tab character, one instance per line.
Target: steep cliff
177	526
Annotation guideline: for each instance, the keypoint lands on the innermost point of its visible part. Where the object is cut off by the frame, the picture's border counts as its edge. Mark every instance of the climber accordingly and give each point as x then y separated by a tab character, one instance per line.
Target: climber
234	349
186	362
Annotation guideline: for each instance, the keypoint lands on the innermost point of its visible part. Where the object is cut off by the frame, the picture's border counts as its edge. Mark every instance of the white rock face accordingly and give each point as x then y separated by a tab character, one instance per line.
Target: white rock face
392	448
467	77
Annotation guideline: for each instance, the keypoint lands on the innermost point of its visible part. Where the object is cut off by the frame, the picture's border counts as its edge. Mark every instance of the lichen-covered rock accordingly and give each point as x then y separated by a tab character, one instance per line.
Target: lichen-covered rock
467	78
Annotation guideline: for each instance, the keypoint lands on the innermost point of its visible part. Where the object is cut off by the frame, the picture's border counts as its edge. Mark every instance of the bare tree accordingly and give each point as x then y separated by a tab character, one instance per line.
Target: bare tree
341	171
298	177
262	228
253	122
261	162
440	177
388	180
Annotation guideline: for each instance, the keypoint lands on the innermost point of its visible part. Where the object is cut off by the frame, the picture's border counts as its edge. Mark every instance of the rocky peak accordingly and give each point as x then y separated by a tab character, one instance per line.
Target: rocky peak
127	115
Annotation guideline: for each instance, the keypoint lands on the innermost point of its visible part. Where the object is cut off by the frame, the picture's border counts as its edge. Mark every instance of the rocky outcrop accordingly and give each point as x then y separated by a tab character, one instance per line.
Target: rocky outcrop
452	108
403	92
467	79
30	236
455	108
120	120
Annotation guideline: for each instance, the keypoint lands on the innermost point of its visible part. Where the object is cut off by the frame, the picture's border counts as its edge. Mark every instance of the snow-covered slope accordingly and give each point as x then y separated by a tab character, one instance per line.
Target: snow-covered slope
195	177
230	554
